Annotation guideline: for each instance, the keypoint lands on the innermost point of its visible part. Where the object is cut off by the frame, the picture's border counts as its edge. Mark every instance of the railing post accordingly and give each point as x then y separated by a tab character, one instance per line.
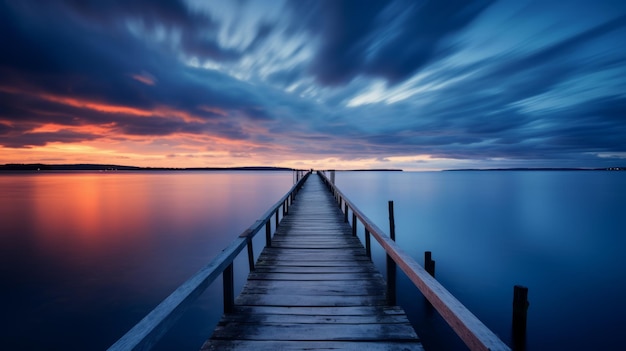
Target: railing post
277	218
345	211
250	254
268	233
429	263
229	289
368	245
353	223
391	265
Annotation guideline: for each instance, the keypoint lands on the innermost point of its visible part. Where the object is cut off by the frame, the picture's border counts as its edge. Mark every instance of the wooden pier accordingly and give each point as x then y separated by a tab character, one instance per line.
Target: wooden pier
314	288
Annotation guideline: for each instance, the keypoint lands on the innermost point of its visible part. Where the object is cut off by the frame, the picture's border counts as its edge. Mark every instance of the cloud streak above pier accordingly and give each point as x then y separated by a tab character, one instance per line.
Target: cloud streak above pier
315	84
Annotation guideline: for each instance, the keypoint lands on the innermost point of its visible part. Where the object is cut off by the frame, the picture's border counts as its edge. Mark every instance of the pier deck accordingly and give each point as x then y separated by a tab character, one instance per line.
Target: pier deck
314	288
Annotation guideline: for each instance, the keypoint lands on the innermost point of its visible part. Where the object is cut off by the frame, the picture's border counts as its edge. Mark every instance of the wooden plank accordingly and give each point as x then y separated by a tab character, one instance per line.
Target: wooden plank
306	288
310	276
308	300
315	269
347	262
322	332
321	311
314	319
273	345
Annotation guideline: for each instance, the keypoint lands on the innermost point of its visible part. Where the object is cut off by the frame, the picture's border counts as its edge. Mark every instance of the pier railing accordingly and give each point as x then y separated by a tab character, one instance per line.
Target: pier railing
467	326
153	326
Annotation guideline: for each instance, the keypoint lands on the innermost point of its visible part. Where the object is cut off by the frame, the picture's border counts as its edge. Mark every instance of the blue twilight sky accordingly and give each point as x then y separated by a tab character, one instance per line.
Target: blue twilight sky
409	84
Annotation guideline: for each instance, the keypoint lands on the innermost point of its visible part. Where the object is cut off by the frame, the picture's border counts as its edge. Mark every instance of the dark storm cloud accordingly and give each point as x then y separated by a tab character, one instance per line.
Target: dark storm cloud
26	139
80	50
387	39
485	116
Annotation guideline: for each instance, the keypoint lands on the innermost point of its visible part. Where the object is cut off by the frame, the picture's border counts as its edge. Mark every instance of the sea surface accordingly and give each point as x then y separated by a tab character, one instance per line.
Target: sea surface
562	234
85	255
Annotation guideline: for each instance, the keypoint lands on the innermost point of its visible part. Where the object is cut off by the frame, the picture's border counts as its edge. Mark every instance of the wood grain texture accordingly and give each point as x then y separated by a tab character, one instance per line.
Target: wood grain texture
315	288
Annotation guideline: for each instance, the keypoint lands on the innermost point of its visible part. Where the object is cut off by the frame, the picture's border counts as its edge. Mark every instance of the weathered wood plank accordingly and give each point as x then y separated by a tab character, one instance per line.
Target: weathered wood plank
314	269
314	319
321	288
308	300
313	263
273	345
322	332
310	276
321	310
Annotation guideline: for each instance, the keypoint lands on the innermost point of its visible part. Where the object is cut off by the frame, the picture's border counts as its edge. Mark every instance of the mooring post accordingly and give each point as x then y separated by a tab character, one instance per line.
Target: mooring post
429	263
229	289
353	223
391	265
520	309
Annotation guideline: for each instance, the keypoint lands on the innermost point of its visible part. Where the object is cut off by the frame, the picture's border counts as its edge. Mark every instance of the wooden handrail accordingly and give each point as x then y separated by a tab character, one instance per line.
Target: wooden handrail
155	324
467	326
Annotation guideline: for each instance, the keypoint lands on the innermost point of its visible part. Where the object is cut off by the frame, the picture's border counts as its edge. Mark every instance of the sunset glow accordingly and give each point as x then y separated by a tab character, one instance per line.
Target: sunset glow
325	84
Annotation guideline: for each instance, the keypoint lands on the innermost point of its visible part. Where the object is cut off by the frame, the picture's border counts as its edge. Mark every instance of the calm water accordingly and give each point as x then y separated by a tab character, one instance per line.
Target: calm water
561	234
84	256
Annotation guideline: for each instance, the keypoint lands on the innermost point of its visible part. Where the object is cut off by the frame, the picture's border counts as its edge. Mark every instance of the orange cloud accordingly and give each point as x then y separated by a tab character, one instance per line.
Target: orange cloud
96	106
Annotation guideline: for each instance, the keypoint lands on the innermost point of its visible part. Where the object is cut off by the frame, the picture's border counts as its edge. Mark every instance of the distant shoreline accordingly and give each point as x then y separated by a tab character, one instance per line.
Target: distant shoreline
103	167
537	169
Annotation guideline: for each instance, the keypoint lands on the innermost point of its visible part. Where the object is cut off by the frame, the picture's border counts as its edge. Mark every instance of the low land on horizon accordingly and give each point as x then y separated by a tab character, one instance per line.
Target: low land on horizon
106	167
539	169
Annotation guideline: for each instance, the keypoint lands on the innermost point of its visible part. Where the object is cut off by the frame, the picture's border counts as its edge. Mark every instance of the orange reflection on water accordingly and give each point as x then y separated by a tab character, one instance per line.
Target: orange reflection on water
112	214
86	210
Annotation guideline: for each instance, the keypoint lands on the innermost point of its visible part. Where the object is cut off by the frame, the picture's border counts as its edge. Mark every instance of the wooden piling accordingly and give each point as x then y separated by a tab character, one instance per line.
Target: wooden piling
520	309
391	264
250	254
268	234
368	244
229	288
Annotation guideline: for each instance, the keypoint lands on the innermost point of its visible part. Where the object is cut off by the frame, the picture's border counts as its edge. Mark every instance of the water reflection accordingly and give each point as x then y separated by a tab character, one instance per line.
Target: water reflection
89	254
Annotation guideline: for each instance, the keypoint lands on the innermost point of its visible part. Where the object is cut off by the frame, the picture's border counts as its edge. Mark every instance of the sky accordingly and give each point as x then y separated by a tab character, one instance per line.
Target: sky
416	85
